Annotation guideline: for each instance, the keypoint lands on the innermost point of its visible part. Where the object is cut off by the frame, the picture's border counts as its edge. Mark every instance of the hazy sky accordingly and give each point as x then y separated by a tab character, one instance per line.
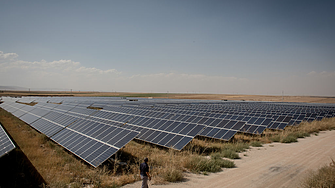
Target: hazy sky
244	47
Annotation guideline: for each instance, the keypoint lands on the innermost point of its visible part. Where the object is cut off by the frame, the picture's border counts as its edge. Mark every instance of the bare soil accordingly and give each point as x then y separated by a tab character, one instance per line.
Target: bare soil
273	165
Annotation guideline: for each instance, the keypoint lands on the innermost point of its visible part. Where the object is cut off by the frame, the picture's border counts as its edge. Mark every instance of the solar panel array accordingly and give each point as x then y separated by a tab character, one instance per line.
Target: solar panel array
6	144
165	122
94	142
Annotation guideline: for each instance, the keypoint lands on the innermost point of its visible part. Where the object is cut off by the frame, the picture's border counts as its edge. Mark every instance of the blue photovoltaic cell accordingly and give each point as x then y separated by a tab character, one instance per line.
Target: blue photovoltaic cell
29	118
47	127
6	144
92	151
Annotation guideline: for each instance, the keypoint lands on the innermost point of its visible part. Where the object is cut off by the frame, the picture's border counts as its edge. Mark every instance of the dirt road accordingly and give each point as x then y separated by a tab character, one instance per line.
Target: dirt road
273	165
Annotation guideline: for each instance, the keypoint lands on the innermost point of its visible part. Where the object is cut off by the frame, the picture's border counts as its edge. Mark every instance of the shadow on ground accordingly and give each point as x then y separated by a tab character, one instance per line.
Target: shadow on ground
17	171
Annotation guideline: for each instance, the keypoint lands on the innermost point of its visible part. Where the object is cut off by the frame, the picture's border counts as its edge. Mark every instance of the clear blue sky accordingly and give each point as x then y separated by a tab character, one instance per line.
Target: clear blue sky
250	47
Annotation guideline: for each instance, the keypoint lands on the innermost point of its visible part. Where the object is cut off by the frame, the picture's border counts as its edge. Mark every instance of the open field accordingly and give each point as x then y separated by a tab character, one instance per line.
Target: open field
307	99
258	166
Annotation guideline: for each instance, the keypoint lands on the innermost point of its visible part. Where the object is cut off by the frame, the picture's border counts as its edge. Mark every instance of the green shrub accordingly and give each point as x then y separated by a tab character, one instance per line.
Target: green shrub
292	137
275	138
216	156
301	134
222	162
256	144
289	139
215	164
225	163
196	163
230	154
172	175
237	147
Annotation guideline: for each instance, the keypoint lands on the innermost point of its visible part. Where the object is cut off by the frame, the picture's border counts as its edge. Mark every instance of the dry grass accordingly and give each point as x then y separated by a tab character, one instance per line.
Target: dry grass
256	144
166	165
30	104
214	163
324	177
60	168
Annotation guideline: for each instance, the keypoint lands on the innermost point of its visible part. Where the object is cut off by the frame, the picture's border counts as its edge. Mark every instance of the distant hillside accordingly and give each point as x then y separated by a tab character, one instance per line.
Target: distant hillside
12	88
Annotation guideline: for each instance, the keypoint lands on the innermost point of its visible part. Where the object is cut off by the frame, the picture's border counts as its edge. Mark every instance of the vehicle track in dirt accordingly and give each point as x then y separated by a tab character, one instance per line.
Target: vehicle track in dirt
273	165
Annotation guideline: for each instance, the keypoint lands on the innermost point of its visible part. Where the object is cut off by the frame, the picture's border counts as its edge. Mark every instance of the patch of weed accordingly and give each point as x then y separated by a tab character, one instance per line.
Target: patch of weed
200	164
289	139
237	147
324	177
256	144
225	163
230	154
172	175
300	134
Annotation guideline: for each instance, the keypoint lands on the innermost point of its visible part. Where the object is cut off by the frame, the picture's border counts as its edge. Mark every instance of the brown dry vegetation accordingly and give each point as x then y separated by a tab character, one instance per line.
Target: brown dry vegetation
324	177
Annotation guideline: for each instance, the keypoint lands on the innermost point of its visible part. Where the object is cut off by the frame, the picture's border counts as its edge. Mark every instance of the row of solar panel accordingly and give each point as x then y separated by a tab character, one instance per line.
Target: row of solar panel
295	119
199	120
257	107
175	140
253	124
179	140
273	125
178	102
226	138
246	128
202	120
6	144
223	107
236	110
94	147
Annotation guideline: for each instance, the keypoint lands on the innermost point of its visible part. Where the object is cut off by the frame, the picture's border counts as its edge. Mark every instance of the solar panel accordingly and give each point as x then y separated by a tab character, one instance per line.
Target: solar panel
6	144
166	133
165	122
91	149
94	145
153	125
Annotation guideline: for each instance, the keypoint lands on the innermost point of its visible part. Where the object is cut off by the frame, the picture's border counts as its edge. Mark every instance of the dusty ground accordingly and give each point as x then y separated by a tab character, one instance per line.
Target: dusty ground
273	165
308	99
